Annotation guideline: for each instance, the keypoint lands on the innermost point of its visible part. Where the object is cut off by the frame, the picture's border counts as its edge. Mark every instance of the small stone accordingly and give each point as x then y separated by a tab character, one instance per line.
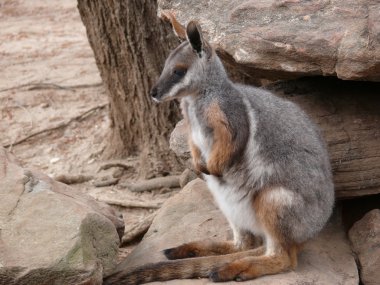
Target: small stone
186	176
178	140
55	160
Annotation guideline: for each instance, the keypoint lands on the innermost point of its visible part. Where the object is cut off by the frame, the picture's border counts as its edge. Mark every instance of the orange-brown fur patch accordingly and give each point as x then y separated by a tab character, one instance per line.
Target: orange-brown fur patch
181	66
199	165
267	214
293	254
222	147
179	30
252	267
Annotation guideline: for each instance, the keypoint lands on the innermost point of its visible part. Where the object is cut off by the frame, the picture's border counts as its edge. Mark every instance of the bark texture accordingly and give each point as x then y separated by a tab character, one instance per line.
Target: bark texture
130	44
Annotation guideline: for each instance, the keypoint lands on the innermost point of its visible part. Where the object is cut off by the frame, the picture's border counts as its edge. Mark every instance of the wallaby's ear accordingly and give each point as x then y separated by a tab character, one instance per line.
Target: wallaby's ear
194	36
178	29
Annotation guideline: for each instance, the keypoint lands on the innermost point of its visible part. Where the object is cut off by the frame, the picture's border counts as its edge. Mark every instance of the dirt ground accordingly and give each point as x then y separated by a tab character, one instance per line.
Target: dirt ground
53	106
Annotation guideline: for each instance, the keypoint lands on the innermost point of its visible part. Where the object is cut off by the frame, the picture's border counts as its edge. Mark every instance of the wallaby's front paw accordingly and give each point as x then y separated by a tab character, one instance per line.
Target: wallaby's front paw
180	252
216	173
215	169
201	168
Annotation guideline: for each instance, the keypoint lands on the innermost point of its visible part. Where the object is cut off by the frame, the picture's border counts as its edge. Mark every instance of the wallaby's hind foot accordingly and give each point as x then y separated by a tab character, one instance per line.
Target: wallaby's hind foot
252	267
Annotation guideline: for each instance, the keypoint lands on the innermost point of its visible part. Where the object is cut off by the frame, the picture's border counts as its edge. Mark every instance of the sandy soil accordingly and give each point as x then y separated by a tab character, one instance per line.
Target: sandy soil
48	76
53	106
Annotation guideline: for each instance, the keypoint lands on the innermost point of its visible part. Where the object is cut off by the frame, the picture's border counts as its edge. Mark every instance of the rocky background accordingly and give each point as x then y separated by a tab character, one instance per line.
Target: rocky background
54	120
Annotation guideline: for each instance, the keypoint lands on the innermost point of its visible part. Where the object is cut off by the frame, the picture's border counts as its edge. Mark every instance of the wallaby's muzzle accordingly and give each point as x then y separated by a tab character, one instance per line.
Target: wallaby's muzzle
154	94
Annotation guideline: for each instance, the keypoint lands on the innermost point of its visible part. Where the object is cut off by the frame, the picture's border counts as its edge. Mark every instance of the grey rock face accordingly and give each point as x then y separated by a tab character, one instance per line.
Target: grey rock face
49	236
192	215
289	39
365	239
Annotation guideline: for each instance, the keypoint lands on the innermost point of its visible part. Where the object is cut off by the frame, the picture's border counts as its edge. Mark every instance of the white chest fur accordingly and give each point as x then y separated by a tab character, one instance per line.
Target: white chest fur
237	209
198	135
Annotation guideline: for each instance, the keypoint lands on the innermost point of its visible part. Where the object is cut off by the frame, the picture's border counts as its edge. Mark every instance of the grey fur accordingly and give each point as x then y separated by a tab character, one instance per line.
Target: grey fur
290	149
275	146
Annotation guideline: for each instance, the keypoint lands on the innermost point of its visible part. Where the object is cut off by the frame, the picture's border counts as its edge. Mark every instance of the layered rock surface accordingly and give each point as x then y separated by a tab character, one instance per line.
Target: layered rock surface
291	38
49	235
192	215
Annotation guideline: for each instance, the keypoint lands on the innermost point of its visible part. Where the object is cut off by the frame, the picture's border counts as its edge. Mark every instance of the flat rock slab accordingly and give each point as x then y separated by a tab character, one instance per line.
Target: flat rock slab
48	235
291	38
192	215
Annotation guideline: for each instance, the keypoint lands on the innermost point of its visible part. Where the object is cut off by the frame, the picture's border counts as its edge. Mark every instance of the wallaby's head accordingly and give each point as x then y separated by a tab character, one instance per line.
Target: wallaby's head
185	67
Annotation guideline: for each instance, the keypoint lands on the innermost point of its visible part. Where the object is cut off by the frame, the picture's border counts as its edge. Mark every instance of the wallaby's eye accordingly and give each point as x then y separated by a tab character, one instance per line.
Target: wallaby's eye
179	72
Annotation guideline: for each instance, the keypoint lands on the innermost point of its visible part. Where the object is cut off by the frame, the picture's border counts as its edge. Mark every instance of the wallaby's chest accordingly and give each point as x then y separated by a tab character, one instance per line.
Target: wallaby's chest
198	129
236	206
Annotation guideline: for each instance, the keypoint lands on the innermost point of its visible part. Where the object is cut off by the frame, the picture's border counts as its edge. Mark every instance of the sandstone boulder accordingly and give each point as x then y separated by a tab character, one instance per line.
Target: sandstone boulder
49	235
365	240
291	38
192	215
178	142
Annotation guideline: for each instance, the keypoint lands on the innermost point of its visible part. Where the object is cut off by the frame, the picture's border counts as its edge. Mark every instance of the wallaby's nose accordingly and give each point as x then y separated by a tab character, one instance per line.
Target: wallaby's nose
153	92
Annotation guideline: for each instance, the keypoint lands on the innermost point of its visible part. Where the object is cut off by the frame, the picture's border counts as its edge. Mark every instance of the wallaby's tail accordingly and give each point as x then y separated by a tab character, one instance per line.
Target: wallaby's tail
198	267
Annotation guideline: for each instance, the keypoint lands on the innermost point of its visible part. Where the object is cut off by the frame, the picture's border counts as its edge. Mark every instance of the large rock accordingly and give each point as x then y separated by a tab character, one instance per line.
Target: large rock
192	215
49	235
365	240
291	38
347	113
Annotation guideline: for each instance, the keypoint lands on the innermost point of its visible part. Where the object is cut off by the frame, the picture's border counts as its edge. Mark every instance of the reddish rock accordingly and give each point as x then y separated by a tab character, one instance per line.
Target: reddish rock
291	38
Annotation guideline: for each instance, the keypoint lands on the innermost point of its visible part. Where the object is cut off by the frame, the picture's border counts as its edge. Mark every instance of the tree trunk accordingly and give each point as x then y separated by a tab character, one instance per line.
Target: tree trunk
130	44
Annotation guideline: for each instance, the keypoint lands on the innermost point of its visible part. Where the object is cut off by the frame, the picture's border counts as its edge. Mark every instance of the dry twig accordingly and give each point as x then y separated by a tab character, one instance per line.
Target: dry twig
128	204
73	179
155	183
41	86
106	182
116	163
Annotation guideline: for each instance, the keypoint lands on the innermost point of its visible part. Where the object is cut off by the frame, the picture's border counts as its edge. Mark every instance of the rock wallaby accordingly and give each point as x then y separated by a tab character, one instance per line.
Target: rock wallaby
263	160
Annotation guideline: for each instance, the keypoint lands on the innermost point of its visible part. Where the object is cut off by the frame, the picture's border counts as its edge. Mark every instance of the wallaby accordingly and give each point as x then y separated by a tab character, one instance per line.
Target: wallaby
263	160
